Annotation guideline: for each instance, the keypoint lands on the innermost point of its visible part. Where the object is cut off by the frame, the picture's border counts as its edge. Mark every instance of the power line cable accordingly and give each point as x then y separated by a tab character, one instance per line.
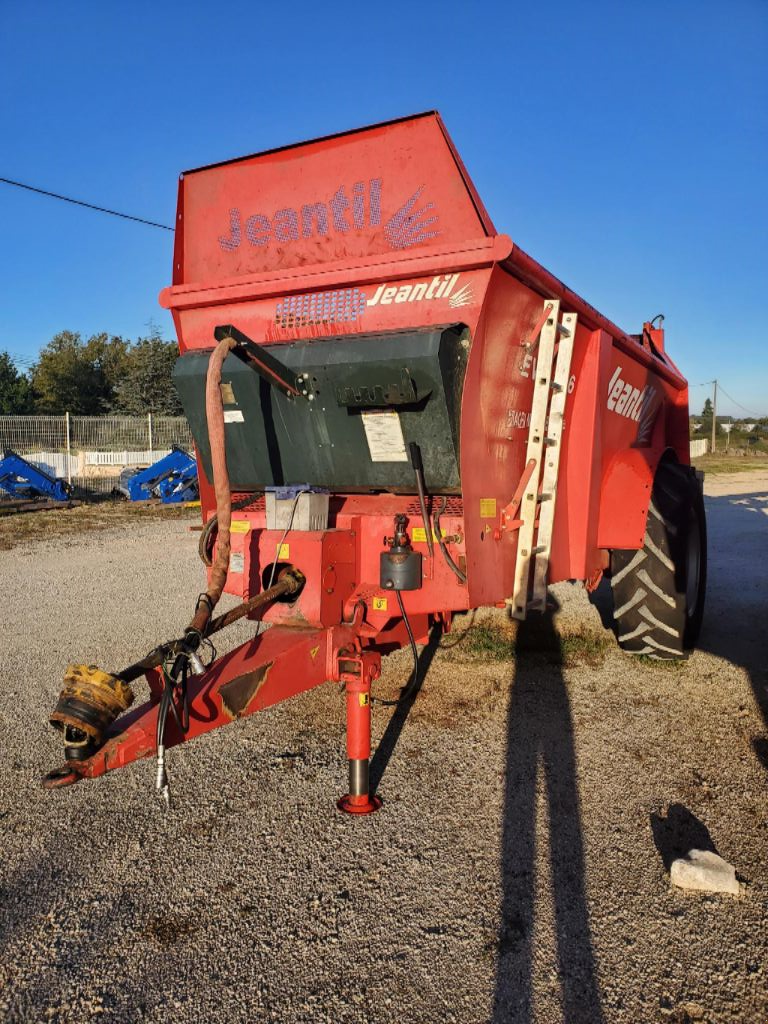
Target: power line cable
750	412
90	206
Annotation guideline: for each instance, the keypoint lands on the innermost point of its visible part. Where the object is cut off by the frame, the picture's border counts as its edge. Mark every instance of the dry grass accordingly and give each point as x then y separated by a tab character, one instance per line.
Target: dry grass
720	463
493	641
26	527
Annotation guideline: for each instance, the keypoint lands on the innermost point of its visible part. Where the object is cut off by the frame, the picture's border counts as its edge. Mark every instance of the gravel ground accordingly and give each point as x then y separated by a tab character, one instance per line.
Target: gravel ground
518	870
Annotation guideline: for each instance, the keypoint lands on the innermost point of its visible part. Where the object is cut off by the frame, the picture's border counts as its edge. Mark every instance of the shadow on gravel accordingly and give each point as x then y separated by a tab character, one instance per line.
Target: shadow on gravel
540	738
388	742
736	608
678	833
736	613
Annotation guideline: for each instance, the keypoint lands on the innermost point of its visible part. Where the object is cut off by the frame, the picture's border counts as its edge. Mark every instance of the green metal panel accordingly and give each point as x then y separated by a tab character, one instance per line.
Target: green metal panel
273	439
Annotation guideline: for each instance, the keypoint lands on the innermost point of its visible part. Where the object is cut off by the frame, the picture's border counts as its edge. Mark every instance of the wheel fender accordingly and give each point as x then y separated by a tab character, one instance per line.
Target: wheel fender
624	498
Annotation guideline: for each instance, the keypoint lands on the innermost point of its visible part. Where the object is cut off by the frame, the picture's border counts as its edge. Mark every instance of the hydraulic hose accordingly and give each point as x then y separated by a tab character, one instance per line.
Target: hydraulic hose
461	576
418	469
208	534
214	411
410	688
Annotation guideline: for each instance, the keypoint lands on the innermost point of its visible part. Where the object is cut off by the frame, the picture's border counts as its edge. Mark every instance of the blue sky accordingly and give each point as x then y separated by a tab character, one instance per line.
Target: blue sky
623	145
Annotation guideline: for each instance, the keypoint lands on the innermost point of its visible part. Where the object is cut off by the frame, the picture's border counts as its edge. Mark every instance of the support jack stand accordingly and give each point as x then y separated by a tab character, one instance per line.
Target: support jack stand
357	671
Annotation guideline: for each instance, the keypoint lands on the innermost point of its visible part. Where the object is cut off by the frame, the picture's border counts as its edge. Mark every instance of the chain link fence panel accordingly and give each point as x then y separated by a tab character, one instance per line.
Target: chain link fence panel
91	451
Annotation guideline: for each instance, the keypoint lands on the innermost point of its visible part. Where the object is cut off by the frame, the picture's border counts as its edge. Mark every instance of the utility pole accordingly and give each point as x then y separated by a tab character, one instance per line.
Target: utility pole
69	448
714	416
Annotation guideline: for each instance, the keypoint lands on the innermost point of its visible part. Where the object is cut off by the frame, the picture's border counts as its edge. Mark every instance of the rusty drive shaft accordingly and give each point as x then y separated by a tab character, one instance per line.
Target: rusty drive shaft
290	582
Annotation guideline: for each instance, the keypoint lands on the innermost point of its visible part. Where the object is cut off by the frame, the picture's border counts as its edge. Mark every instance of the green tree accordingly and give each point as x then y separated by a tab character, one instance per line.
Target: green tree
706	420
111	354
78	377
147	384
15	392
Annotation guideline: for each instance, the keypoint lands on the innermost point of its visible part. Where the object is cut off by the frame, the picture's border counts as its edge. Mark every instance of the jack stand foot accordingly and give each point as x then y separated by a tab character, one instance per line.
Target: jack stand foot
365	804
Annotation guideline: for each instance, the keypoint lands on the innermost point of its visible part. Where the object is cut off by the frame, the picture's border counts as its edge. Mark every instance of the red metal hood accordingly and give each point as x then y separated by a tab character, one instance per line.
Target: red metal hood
390	188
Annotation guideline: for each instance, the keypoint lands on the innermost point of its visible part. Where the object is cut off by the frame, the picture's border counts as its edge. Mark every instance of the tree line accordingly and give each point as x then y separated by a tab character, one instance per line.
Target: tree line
100	375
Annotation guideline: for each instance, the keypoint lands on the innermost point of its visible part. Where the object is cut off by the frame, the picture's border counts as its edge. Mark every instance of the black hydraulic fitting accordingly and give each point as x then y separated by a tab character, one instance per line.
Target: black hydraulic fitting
400	566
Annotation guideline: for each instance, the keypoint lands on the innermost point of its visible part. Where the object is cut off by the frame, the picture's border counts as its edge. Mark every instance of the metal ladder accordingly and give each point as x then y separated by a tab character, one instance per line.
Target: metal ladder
544	443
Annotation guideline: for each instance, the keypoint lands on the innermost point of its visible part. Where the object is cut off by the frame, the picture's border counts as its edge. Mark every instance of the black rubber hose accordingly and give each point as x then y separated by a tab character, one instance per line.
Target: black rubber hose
411	688
418	469
211	528
446	553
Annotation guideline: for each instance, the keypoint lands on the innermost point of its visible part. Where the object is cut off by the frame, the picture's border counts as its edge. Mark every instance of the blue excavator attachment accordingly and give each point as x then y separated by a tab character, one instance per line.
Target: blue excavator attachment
172	479
21	479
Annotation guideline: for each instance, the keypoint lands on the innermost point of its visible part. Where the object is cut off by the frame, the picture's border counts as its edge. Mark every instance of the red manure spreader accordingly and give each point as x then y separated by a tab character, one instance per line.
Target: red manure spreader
398	415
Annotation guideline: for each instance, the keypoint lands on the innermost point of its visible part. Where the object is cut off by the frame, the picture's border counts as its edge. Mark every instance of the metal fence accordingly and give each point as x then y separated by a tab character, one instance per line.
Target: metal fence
90	452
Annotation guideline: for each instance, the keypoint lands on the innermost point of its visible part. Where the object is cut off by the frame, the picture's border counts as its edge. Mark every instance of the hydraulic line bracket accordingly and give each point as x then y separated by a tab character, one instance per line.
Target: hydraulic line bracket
264	363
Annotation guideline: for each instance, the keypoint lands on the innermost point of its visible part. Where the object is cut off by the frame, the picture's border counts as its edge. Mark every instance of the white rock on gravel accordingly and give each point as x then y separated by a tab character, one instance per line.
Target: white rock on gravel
704	870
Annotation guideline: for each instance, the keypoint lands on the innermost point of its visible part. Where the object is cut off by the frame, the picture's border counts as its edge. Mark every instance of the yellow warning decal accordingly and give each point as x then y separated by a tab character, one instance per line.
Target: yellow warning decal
487	508
285	551
192	504
419	534
379	604
240	526
363	699
313	652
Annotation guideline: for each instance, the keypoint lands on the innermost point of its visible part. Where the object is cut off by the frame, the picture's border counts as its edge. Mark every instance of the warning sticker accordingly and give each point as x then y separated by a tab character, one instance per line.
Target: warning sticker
487	508
385	435
285	551
240	526
233	416
236	561
363	700
419	534
379	604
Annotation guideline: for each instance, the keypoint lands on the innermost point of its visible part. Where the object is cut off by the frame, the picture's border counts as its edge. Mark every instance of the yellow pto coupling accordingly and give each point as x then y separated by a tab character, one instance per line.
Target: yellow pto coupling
89	702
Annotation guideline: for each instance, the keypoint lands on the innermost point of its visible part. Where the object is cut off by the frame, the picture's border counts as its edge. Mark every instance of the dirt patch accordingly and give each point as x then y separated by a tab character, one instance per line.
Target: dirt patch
171	929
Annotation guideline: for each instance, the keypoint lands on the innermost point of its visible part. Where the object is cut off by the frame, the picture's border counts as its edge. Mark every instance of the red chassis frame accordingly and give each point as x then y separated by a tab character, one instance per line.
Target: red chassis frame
388	216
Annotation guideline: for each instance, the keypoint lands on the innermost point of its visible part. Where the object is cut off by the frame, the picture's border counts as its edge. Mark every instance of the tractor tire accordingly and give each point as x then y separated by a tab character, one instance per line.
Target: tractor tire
658	591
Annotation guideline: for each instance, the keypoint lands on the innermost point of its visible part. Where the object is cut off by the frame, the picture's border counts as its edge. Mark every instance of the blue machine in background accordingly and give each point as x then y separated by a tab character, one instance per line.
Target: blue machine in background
172	479
20	479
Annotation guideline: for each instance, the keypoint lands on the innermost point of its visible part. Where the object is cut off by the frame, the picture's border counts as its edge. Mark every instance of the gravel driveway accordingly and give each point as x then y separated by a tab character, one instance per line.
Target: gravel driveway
518	870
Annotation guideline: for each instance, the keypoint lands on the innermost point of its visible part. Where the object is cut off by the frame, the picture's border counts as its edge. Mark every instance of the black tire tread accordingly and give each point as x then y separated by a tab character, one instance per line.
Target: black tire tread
649	587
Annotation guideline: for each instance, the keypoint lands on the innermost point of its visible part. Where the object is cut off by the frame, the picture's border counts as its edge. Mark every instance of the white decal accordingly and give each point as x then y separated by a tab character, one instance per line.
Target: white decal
518	418
438	288
634	403
463	297
384	435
